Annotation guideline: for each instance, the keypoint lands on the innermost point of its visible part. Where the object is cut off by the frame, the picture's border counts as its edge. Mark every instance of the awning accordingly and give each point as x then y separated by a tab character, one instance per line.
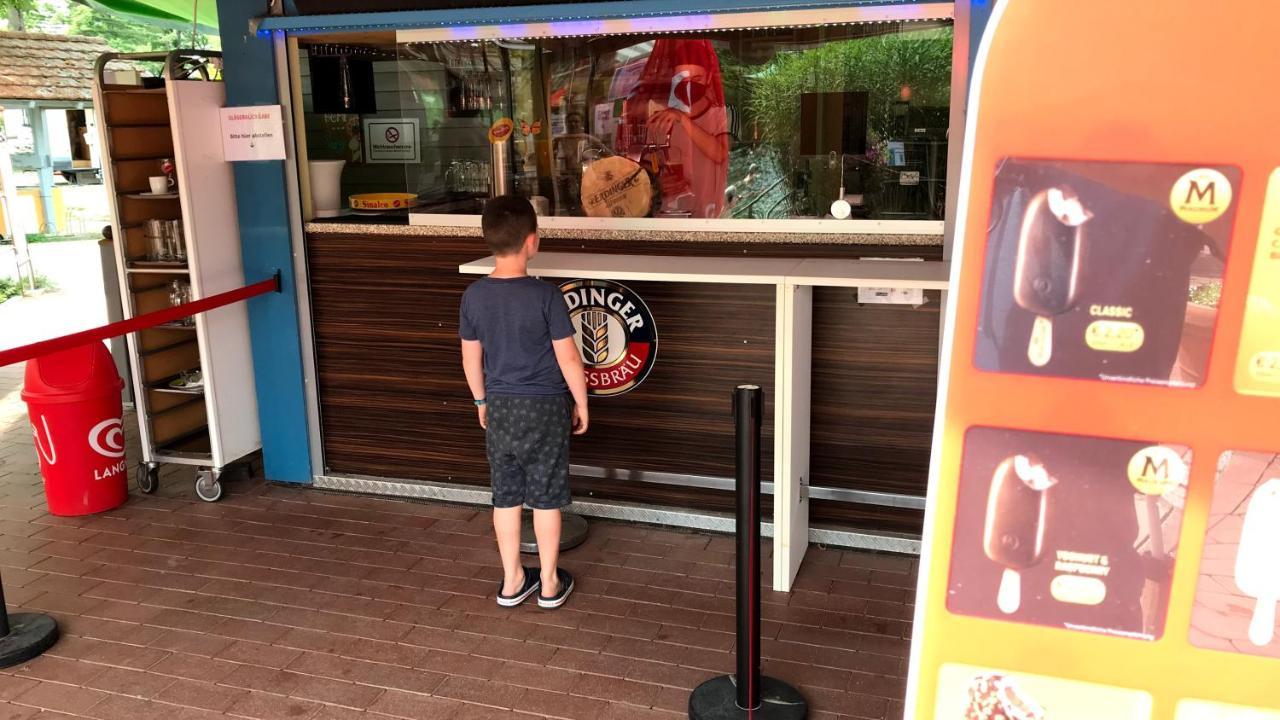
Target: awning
166	13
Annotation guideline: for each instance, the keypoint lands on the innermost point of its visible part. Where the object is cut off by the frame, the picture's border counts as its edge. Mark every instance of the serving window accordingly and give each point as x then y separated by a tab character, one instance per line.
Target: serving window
832	122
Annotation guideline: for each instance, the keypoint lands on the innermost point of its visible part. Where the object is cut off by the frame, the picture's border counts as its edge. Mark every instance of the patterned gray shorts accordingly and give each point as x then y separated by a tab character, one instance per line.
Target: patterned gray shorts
528	448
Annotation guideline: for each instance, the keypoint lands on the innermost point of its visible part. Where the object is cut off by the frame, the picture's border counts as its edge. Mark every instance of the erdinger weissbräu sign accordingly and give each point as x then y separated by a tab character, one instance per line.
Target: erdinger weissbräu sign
615	334
1102	535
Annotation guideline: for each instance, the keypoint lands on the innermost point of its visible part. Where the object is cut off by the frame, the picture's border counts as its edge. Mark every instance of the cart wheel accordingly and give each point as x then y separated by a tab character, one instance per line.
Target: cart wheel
148	477
208	487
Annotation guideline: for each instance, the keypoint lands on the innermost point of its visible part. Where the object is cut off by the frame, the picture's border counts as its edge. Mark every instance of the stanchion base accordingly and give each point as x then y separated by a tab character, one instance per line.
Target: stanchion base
717	699
30	634
573	532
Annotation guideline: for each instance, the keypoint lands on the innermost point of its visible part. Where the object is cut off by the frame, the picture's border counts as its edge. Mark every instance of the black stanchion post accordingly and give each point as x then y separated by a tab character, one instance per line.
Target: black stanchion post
747	694
747	416
24	636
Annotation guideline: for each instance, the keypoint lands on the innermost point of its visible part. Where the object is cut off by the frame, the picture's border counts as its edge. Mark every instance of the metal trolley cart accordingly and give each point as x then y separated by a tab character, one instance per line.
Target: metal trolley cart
177	242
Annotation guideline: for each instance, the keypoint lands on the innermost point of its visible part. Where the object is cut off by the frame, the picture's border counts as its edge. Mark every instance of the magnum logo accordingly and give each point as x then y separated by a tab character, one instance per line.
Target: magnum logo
615	334
1200	196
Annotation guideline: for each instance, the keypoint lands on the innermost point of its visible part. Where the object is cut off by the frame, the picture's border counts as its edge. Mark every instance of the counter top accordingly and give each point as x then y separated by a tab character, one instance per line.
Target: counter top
677	235
924	274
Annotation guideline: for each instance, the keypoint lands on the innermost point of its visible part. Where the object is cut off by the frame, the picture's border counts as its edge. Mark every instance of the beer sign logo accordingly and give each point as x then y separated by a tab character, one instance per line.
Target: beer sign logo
615	334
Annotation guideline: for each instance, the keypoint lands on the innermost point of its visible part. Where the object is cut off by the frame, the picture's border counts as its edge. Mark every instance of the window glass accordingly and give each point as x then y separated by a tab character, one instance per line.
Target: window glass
843	121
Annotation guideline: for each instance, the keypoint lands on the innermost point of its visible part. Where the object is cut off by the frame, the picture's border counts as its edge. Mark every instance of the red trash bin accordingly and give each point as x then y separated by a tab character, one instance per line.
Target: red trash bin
73	400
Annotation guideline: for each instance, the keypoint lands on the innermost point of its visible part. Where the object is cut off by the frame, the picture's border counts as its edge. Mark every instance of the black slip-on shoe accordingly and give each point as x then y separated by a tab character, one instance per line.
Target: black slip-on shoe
566	587
531	585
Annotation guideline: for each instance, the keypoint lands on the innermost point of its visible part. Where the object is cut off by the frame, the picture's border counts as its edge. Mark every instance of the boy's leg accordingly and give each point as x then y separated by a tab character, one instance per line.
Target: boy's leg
546	465
506	525
508	483
546	526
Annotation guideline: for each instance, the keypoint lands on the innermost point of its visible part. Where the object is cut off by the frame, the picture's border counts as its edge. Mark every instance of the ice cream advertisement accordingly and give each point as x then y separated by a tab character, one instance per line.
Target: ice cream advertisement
973	693
1105	271
1258	362
1067	531
1102	519
1206	710
1239	584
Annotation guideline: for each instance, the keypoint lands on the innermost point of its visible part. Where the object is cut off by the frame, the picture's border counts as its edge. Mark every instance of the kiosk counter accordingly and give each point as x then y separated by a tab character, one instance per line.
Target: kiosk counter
745	198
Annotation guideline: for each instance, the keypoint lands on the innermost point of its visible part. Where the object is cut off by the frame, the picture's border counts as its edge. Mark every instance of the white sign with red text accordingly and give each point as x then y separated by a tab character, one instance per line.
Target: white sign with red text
252	133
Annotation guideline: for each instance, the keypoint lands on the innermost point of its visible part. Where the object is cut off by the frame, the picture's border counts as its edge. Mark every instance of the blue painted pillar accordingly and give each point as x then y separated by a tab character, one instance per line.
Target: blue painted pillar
250	78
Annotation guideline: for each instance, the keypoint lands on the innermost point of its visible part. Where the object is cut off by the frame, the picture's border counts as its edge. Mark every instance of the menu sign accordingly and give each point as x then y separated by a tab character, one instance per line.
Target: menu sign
1102	537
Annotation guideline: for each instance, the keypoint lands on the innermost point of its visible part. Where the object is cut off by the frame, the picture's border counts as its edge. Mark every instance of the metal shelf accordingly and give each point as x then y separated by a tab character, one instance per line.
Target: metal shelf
175	270
216	424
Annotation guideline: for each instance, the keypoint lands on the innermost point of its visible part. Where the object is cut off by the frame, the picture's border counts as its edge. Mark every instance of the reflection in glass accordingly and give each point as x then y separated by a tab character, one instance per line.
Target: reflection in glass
750	124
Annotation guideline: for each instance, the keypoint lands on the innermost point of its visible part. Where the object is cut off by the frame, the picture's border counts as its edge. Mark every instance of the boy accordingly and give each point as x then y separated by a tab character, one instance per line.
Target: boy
521	362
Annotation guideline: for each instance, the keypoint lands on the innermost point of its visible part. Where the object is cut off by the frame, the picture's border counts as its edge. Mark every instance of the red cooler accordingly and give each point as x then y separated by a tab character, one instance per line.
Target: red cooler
73	399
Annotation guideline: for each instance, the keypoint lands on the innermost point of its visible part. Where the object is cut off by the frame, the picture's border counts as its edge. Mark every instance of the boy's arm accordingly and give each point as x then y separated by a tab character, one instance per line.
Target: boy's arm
575	376
473	368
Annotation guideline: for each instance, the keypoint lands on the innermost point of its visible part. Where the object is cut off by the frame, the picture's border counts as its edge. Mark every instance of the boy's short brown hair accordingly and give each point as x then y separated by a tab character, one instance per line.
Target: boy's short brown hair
506	222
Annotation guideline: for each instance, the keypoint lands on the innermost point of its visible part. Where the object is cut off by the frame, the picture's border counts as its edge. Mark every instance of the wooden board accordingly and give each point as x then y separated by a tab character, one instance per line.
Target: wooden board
134	108
616	187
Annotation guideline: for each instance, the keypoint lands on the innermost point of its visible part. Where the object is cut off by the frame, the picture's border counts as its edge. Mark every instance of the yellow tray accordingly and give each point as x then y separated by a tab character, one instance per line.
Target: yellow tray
383	201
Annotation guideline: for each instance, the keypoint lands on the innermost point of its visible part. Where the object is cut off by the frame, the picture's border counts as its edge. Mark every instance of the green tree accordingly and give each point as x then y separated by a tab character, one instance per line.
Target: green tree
15	12
121	34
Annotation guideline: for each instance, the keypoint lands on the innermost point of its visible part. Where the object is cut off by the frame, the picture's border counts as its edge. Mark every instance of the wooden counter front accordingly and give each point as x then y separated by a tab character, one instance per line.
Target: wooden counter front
394	403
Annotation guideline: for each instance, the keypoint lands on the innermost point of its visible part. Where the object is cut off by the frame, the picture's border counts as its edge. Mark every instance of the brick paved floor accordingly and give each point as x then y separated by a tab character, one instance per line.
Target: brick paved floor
289	603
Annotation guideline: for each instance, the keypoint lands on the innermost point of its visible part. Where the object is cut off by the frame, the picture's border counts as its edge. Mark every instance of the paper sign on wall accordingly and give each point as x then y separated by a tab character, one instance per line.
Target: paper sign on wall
252	133
391	141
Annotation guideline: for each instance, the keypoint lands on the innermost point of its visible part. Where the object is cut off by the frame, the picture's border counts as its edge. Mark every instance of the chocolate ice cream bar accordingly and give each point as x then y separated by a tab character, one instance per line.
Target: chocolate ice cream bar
1013	535
1050	246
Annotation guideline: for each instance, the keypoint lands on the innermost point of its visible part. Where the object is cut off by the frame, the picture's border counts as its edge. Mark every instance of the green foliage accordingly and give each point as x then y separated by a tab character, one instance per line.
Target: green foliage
881	66
125	35
1207	294
33	238
9	287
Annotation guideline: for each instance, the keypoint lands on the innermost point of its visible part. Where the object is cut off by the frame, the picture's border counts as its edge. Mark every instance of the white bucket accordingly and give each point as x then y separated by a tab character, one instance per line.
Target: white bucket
326	187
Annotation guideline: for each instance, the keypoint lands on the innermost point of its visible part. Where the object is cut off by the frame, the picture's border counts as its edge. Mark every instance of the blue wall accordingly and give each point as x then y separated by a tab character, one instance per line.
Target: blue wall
265	244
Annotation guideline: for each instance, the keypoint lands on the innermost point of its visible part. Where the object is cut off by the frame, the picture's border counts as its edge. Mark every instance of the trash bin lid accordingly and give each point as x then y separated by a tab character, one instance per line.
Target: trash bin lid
69	375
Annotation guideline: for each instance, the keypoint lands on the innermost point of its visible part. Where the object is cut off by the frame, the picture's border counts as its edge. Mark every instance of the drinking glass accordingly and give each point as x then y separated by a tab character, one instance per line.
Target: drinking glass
177	243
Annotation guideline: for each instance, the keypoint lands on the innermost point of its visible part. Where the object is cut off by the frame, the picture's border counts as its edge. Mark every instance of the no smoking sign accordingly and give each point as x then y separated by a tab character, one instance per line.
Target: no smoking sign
391	141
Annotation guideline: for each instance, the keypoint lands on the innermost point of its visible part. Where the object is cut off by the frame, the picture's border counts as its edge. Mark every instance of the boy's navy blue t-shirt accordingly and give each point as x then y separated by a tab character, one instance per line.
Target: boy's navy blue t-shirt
516	320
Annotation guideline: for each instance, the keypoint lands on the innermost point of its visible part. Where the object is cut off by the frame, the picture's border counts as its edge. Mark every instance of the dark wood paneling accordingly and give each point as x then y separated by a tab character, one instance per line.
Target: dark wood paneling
711	338
875	372
394	402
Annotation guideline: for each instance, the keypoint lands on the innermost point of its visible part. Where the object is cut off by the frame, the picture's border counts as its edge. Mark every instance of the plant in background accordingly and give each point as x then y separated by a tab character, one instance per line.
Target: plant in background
15	12
913	65
882	66
10	287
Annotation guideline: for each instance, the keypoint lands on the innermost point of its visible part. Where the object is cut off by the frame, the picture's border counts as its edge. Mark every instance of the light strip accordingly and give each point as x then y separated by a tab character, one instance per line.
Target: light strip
571	17
685	23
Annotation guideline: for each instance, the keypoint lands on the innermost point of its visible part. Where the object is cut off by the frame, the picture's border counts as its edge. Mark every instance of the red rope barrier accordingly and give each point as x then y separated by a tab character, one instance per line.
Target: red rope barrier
141	322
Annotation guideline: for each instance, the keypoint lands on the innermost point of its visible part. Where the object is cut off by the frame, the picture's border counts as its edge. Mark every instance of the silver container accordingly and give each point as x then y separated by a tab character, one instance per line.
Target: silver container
500	166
